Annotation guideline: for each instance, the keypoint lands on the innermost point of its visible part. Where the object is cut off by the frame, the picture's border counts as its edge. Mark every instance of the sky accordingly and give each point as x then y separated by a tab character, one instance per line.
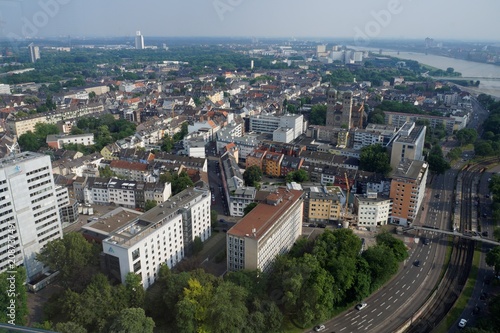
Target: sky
360	20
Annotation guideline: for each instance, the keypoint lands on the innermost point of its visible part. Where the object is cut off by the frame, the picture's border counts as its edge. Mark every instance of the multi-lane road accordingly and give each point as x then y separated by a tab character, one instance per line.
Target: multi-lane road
398	302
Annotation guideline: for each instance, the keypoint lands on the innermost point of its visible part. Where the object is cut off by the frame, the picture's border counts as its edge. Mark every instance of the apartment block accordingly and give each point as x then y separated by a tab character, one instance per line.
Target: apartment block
323	204
270	229
58	141
29	211
161	236
407	190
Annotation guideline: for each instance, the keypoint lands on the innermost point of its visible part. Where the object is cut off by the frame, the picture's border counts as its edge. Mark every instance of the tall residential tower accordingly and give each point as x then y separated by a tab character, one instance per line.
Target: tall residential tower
29	212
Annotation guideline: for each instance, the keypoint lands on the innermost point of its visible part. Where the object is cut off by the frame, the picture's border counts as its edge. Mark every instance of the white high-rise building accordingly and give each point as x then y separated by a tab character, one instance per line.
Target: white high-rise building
34	52
161	236
139	41
29	212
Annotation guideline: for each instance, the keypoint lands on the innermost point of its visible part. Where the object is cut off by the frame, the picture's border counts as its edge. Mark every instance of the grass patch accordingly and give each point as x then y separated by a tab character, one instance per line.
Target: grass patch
461	303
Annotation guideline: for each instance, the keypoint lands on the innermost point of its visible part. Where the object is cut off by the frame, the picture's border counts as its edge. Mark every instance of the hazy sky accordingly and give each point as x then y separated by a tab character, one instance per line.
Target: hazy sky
458	19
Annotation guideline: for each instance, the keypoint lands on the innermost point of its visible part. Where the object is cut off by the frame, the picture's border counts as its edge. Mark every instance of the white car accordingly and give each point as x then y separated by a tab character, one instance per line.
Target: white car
361	306
462	323
319	328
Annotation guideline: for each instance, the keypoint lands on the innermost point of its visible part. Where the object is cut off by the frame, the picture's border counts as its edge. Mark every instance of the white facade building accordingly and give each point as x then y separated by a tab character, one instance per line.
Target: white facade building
5	89
29	211
372	211
161	236
268	230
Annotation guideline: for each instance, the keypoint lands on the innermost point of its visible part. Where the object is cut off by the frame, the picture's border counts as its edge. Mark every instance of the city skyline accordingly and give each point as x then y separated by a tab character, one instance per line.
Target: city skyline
367	20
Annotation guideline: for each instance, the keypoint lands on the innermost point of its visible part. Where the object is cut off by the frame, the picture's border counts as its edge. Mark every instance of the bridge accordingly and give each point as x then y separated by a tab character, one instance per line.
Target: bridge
466	78
467	235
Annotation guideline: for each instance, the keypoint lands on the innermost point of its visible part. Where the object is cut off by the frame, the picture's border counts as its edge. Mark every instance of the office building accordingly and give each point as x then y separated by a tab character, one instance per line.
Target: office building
409	144
268	230
34	52
407	190
161	236
371	210
139	41
29	212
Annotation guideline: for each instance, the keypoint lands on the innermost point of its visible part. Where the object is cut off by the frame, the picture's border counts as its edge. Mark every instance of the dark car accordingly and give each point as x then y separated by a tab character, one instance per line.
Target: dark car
485	233
426	241
322	225
416	263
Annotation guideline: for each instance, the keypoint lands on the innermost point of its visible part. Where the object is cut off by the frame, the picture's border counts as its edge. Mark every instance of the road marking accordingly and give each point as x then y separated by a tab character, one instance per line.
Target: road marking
390	298
427	258
421	269
366	328
397	292
369	321
343	329
402	294
374	310
379	314
413	282
360	327
395	300
418	274
349	313
361	322
355	318
404	285
354	322
396	283
364	316
382	304
383	294
387	308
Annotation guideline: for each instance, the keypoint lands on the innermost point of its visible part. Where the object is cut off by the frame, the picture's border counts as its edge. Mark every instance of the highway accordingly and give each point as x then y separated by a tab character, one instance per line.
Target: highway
397	303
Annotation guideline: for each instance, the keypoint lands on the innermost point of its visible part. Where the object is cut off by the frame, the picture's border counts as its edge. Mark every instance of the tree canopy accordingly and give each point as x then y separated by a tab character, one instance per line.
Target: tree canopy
375	158
252	175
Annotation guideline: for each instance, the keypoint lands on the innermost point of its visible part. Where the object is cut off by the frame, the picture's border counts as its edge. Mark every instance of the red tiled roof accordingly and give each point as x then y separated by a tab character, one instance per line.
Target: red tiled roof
128	165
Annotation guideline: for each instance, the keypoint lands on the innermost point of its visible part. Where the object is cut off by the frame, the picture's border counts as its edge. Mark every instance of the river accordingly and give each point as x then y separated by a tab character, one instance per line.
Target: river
487	74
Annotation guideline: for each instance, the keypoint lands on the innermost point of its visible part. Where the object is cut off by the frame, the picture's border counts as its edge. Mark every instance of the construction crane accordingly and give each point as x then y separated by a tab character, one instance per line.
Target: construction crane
348	189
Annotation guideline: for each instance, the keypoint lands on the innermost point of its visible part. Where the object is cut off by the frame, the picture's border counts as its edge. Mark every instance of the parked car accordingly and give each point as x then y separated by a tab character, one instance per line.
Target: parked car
462	323
426	241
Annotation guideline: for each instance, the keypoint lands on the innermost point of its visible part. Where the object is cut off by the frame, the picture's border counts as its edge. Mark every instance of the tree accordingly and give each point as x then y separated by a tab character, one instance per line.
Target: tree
396	245
249	207
318	114
69	327
298	176
13	296
466	136
252	175
149	205
197	245
168	144
483	148
214	215
72	256
181	182
374	158
227	311
493	259
376	117
382	263
134	290
454	154
132	320
106	172
437	163
29	142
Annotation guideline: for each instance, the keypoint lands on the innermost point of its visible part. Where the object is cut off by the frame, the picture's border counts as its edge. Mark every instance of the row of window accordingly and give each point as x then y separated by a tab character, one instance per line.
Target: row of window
36	171
45	175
